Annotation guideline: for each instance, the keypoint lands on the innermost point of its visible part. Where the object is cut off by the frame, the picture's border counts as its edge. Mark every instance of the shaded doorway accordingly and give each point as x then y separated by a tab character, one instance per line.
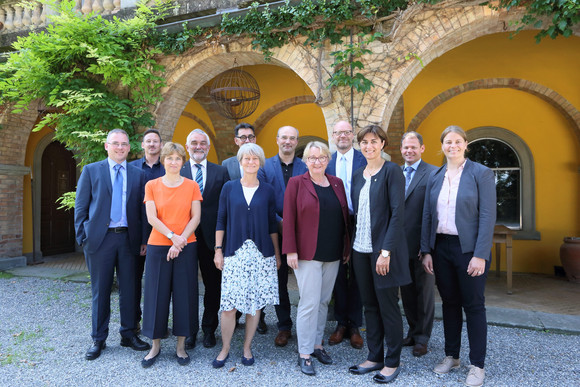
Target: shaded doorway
58	176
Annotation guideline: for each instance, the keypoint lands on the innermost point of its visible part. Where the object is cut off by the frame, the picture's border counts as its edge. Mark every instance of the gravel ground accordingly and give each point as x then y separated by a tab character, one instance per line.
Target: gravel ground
45	332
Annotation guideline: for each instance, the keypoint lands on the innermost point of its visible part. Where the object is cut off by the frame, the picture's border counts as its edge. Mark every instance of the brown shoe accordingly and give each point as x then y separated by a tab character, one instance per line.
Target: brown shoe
419	350
408	342
338	335
281	339
356	340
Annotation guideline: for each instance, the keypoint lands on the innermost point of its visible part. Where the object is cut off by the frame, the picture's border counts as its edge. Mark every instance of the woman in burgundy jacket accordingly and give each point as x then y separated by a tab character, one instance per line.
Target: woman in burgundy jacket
315	239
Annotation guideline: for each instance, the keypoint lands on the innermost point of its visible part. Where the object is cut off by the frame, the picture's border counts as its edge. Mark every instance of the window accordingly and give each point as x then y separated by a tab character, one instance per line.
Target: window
513	164
503	160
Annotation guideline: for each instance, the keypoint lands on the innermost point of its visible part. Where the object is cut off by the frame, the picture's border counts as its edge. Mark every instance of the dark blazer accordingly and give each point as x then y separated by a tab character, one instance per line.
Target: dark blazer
233	166
241	221
302	213
414	199
475	209
217	176
358	161
387	203
93	206
271	173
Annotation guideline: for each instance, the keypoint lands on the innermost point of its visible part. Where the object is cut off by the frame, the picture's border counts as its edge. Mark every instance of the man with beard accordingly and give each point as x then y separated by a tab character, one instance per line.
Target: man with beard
347	303
277	171
210	177
153	169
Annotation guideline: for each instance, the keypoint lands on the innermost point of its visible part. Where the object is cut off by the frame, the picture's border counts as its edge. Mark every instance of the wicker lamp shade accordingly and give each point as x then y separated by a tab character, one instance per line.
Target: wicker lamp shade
236	94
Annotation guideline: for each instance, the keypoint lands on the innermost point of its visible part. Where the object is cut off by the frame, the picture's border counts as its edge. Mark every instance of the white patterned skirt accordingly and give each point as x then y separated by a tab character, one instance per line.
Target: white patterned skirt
249	280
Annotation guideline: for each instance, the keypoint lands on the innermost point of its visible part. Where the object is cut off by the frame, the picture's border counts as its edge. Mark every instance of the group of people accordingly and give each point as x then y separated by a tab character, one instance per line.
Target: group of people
348	223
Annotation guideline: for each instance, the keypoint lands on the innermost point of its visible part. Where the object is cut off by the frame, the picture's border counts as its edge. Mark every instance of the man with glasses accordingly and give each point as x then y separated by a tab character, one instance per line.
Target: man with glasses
277	171
347	303
243	134
109	219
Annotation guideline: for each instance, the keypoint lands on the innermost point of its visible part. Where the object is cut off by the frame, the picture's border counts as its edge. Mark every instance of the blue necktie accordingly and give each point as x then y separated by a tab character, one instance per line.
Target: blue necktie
199	177
342	173
409	171
117	205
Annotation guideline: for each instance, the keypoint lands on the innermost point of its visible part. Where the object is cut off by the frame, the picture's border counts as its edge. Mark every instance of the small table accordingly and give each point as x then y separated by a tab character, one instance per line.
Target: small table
503	234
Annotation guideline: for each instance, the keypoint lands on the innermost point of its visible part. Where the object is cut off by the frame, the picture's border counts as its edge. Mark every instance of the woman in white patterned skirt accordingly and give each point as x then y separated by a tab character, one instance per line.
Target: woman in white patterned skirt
250	257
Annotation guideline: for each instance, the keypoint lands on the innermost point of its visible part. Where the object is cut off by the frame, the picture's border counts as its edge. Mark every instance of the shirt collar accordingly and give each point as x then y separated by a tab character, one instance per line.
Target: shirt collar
203	163
414	165
113	163
348	155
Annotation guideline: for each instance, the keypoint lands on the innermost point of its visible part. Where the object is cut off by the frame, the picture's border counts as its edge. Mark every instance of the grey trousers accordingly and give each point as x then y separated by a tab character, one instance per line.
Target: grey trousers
315	284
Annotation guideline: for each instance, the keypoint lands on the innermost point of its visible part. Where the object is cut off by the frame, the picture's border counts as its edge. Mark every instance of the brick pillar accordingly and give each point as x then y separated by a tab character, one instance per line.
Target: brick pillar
395	132
11	198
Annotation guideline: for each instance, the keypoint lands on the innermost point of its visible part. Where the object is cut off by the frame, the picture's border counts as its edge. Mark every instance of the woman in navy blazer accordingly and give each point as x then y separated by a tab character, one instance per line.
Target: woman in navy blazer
456	237
379	257
315	238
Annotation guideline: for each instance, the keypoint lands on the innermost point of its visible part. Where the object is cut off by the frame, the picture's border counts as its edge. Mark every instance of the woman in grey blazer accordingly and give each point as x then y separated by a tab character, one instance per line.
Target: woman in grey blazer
380	258
456	237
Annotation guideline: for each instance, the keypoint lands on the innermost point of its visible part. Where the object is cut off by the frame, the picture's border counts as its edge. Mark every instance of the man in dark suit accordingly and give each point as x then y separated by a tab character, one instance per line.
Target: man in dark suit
277	171
243	134
109	215
347	303
210	177
418	297
153	169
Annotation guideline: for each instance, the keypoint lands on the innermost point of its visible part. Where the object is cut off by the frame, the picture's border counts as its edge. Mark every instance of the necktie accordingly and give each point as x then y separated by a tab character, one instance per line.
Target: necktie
342	171
116	207
199	177
409	171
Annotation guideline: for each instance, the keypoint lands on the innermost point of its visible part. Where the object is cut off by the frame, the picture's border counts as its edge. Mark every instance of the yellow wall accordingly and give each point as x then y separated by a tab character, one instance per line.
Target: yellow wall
547	133
33	140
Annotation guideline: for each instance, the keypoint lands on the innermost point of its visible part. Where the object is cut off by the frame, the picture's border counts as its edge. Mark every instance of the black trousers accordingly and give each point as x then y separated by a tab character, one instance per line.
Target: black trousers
460	291
347	302
382	313
139	270
212	282
173	281
113	255
283	308
419	302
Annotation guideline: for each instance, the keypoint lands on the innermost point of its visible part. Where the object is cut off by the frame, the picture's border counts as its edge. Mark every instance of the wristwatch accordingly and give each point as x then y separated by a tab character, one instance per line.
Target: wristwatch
385	253
170	234
217	247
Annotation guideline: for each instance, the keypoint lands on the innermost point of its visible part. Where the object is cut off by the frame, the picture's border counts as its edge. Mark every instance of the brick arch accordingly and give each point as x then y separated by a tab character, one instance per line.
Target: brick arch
203	125
569	111
188	73
441	31
278	108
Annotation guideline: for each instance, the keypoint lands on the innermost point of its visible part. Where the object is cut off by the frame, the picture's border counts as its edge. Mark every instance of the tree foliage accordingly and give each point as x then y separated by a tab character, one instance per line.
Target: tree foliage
94	74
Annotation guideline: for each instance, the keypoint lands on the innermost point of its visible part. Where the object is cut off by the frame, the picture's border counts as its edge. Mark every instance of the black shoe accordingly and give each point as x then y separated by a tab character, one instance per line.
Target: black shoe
380	378
306	366
262	327
322	356
95	350
408	342
358	370
135	343
146	363
219	363
190	342
248	362
183	361
209	340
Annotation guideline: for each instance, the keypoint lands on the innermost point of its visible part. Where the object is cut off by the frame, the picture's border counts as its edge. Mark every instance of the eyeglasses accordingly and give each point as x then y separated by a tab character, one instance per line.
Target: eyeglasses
342	133
245	138
321	159
119	144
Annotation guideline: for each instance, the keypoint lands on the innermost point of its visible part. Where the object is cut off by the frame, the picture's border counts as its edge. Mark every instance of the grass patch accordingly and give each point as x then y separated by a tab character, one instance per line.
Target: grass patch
4	275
